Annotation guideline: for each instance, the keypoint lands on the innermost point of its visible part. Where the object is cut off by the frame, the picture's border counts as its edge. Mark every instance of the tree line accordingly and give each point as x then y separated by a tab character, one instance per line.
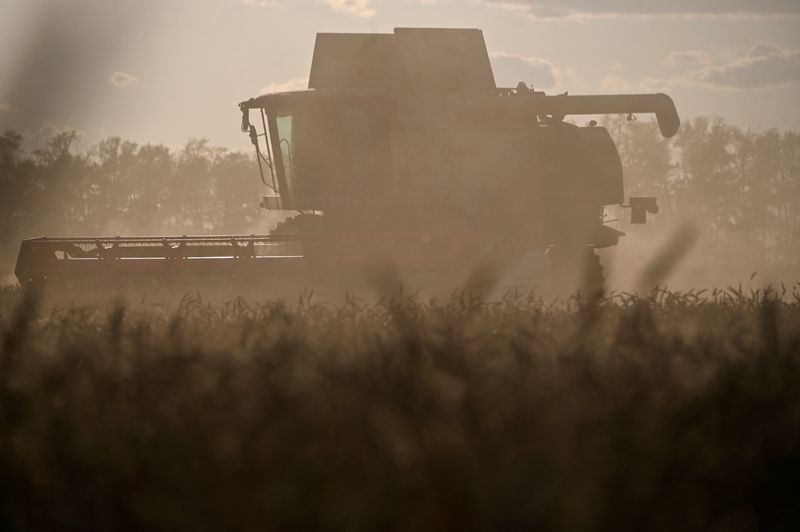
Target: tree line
119	187
742	188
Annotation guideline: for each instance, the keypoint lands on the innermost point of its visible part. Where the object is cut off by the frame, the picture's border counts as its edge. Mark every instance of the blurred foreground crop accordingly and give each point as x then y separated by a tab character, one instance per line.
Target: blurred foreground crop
673	412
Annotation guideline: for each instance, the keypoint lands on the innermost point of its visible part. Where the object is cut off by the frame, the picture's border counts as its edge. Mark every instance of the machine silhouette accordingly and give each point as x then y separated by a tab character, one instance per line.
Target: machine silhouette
402	152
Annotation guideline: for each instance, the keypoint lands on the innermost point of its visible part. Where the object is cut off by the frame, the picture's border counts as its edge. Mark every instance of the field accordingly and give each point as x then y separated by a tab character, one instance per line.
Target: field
680	411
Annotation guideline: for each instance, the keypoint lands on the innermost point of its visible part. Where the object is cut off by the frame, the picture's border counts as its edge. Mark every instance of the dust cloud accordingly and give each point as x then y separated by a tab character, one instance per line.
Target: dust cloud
404	151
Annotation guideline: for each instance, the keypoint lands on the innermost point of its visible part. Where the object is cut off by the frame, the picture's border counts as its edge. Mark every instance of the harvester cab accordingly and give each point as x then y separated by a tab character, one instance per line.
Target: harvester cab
402	147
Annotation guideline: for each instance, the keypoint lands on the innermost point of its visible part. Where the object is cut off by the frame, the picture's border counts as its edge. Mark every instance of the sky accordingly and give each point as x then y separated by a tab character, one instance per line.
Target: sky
165	71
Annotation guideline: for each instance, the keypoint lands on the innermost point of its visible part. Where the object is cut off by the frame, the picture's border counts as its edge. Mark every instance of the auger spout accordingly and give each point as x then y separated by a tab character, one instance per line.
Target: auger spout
659	104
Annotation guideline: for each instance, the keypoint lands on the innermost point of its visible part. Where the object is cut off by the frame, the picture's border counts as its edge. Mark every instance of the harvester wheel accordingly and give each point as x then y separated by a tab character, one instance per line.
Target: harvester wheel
302	224
576	269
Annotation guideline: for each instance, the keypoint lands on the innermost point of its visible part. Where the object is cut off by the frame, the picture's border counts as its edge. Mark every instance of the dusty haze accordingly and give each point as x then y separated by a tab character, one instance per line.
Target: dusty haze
100	102
178	357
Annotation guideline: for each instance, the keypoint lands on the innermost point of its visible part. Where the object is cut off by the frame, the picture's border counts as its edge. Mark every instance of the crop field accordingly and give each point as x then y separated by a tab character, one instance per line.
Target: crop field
680	411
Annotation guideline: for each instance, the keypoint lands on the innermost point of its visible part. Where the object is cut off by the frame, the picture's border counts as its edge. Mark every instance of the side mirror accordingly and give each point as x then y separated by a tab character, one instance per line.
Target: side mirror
245	119
640	207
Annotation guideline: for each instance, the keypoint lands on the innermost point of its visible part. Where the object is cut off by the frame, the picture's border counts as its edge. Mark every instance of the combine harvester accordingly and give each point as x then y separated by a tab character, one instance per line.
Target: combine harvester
402	160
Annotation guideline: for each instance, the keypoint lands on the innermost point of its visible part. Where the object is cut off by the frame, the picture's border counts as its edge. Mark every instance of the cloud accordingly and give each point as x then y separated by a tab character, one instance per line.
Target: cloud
764	49
688	59
121	79
613	82
549	9
358	8
776	69
510	69
762	66
262	3
295	84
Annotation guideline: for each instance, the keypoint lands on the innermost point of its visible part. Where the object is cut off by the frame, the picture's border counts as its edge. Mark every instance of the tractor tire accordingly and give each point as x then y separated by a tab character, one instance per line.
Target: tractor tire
576	270
302	224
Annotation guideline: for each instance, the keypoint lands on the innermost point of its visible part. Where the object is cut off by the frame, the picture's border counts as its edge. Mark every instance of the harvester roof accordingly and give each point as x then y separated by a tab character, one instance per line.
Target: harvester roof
425	59
410	58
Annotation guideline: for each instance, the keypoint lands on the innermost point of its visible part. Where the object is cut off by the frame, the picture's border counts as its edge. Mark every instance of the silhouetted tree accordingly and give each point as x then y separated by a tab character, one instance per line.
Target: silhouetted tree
740	187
